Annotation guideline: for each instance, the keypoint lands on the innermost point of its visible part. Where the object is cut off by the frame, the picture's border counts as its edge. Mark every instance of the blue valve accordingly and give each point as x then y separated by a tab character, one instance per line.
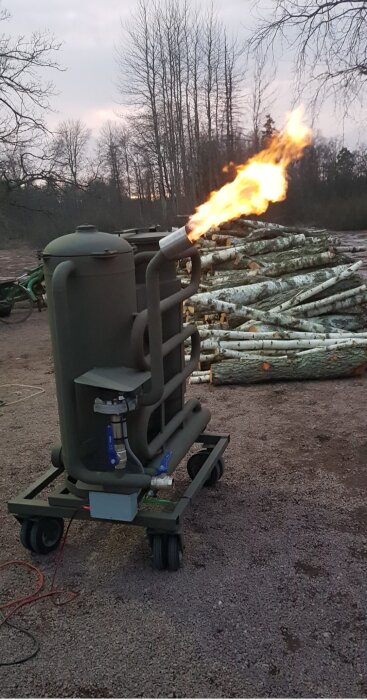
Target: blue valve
163	467
112	455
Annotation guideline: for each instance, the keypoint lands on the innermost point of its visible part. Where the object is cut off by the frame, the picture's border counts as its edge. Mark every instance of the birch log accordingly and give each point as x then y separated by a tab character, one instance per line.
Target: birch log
200	379
280	334
282	320
318	364
346	343
350	249
234	257
273	245
294	344
248	293
307	293
277	227
328	301
240	355
353	303
261	234
207	261
234	278
277	268
302	263
343	321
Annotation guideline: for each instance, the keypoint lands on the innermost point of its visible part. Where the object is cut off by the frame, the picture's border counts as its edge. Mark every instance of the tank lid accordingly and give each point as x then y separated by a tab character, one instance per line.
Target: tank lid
86	240
86	228
148	240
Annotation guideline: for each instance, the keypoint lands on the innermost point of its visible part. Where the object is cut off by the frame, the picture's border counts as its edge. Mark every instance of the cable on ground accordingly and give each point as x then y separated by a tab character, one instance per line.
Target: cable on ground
11	607
39	390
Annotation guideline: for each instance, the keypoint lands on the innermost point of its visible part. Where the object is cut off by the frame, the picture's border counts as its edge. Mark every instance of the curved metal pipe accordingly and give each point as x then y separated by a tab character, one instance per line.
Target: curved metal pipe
181	441
155	330
152	317
155	445
143	257
143	416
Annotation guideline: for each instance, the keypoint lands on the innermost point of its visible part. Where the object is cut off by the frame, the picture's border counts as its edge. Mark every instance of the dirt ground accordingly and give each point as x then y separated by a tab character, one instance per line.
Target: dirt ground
270	600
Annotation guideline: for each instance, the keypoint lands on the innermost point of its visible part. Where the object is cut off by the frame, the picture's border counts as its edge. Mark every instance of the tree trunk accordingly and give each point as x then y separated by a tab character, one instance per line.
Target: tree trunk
346	322
306	262
322	364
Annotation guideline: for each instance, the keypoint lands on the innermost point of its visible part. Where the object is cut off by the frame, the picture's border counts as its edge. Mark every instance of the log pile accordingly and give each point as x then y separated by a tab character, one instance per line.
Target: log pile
277	303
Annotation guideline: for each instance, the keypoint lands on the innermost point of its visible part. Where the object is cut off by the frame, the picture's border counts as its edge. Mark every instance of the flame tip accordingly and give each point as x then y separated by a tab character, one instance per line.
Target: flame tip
259	181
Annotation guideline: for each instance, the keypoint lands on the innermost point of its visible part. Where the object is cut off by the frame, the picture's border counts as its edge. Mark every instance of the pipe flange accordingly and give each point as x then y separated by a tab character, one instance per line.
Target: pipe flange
113	408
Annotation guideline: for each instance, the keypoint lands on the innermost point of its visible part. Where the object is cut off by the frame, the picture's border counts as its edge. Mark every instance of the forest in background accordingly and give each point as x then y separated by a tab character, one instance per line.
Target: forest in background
197	105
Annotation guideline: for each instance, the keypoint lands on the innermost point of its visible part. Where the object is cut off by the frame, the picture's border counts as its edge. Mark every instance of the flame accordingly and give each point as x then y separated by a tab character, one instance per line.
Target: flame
263	179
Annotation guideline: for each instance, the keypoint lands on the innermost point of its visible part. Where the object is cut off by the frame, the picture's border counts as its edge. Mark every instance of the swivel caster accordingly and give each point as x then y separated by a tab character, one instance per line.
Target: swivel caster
159	552
166	552
41	536
196	462
174	553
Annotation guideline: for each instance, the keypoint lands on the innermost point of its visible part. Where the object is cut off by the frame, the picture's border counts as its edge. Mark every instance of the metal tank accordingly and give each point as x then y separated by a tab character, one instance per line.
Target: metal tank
115	315
90	286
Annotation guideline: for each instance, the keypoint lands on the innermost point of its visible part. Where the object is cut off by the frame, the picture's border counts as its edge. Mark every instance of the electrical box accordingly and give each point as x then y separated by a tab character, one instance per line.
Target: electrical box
113	506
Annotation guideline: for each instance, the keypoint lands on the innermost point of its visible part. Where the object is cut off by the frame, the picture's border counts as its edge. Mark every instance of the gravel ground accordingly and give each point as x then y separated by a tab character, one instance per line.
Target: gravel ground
271	598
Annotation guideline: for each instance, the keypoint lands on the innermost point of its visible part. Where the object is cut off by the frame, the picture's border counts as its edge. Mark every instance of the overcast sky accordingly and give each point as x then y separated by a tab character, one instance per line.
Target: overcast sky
90	30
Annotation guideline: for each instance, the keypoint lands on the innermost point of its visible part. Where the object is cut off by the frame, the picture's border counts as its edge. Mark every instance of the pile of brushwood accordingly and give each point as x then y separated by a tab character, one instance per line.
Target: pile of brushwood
277	303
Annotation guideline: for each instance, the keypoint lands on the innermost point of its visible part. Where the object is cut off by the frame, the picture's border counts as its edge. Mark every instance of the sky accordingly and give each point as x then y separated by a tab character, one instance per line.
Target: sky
91	30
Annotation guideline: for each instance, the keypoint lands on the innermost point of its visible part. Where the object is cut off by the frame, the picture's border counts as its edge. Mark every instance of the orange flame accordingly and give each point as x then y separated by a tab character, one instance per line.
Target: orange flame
258	182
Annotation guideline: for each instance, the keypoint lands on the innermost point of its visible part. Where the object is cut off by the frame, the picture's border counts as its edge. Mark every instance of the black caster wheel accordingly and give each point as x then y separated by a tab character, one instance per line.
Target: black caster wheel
56	457
196	462
216	474
174	553
166	551
159	551
25	532
45	535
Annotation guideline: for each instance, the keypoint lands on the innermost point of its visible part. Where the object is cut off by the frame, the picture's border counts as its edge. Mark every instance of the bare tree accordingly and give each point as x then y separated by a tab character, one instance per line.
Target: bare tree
261	96
114	157
24	96
139	67
70	150
328	40
178	69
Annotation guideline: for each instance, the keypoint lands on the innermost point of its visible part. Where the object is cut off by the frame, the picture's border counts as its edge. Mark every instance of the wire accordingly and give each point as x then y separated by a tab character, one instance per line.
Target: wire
23	398
13	606
128	449
31	655
126	403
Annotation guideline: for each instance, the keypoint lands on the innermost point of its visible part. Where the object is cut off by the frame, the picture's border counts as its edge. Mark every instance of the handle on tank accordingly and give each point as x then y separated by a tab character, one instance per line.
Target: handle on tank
75	466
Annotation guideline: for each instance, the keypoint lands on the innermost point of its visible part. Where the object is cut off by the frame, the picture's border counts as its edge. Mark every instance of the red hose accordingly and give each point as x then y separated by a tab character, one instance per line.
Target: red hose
17	603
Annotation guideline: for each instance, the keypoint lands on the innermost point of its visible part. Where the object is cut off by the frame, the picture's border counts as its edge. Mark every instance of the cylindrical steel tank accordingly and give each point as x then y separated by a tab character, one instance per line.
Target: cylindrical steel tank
91	296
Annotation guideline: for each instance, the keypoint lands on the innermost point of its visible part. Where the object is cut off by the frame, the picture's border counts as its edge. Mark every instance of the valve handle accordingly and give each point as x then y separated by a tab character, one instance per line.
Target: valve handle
112	456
